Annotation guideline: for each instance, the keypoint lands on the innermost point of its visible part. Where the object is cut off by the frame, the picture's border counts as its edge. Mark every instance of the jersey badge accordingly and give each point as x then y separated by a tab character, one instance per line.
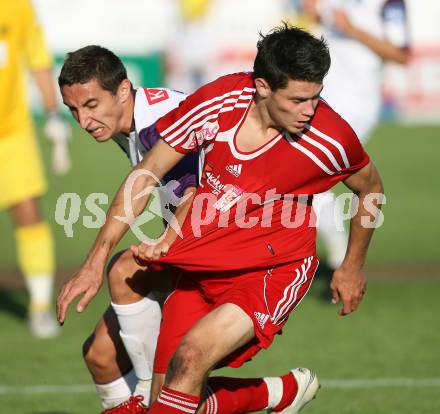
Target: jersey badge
207	132
155	96
231	195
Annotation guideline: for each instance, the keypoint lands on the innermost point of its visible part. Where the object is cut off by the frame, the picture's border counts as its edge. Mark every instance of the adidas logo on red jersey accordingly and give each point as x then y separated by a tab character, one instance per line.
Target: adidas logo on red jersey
234	169
261	318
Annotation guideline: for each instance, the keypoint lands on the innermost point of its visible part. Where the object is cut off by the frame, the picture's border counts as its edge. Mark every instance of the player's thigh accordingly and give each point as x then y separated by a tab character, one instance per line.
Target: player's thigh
221	332
182	309
104	351
21	168
268	298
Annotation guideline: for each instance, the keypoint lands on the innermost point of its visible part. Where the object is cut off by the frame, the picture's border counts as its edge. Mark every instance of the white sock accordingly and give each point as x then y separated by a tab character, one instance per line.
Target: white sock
140	324
40	291
274	391
330	224
117	391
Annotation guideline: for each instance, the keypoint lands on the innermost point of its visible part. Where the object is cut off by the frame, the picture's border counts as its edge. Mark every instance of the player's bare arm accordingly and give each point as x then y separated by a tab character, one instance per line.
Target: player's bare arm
89	278
145	251
385	49
348	284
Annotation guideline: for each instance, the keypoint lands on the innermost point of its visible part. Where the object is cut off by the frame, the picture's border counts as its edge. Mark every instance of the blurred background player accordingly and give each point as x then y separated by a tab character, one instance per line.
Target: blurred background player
362	35
22	180
212	39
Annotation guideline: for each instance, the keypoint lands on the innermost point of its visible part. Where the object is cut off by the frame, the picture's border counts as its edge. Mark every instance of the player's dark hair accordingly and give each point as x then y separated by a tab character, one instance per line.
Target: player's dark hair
291	53
93	62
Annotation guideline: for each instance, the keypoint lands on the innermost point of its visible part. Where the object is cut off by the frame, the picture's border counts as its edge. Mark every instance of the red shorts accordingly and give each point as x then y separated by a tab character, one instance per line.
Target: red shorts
267	297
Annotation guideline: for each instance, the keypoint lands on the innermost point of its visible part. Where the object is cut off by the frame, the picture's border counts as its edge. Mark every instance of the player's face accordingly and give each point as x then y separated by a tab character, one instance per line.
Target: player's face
292	107
97	110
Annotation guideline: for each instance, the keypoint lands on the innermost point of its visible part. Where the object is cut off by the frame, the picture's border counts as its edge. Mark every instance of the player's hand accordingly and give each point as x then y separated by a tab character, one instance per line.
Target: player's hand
86	281
57	131
349	287
148	251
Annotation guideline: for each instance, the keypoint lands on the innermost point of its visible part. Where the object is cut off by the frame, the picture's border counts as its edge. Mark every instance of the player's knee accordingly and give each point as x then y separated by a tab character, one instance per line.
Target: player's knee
95	357
90	355
187	362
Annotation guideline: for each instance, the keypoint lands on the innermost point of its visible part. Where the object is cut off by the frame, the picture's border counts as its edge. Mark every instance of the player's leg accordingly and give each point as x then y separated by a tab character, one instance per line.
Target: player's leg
21	184
183	308
286	394
216	335
268	298
35	252
105	354
108	362
227	395
277	293
138	311
181	311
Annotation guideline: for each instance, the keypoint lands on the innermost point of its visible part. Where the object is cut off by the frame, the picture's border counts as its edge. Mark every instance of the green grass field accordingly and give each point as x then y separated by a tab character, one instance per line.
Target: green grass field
382	359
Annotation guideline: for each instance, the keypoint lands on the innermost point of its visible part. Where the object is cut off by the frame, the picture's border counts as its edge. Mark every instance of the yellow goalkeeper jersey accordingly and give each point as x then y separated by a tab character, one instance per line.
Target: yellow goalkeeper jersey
193	9
22	47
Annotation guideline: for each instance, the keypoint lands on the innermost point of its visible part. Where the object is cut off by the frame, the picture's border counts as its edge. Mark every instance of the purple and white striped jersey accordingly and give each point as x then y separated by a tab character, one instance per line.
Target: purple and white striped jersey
149	106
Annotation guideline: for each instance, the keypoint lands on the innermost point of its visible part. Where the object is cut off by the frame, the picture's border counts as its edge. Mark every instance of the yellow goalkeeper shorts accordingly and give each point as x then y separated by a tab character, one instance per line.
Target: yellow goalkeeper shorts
21	168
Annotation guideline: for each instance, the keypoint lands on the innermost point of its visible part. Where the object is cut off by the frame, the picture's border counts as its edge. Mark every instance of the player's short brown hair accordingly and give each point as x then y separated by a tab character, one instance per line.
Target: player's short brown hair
93	62
288	52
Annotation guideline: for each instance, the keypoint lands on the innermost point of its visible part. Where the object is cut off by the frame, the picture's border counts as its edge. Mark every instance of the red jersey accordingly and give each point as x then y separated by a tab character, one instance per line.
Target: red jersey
253	210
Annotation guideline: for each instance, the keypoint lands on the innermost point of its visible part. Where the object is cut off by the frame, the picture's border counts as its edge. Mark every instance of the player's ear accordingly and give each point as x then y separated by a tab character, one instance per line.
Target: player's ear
263	88
124	90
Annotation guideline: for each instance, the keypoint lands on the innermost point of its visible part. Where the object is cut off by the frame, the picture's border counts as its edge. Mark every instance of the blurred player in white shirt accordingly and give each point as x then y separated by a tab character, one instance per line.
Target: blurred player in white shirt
362	35
212	38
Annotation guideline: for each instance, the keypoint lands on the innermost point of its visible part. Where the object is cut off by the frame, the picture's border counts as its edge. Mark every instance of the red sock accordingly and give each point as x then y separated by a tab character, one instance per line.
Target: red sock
235	395
174	402
290	389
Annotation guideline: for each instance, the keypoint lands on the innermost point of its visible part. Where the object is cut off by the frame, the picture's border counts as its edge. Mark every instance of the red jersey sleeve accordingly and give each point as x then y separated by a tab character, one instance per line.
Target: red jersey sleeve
335	131
333	146
355	153
195	120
